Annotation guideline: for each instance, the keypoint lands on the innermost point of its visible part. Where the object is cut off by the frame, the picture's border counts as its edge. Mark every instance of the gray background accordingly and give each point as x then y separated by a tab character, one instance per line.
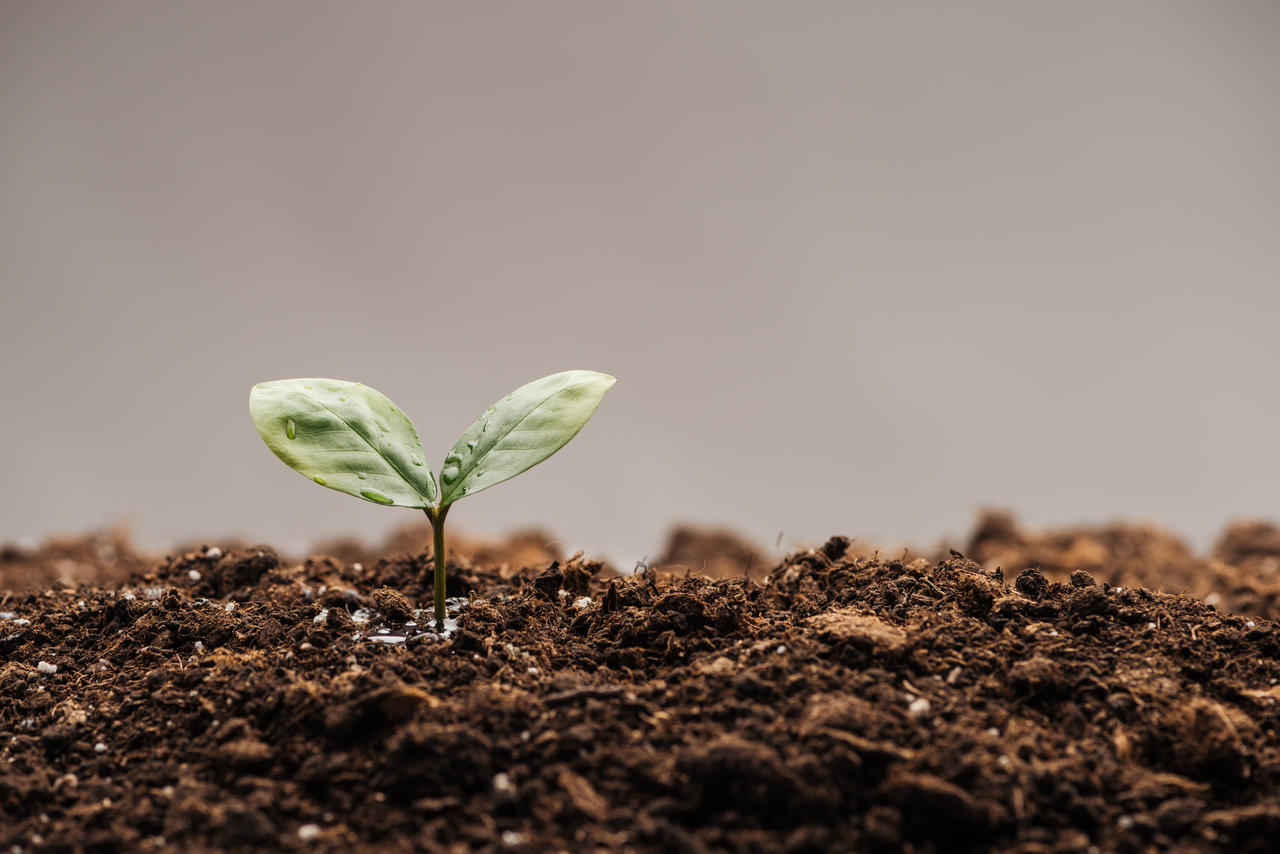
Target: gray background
859	268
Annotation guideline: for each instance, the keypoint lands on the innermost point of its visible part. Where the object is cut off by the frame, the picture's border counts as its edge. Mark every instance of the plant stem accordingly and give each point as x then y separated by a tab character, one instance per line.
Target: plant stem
437	529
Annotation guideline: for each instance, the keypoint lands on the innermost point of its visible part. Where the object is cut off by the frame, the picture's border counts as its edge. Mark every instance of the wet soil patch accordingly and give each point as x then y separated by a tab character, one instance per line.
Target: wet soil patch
224	699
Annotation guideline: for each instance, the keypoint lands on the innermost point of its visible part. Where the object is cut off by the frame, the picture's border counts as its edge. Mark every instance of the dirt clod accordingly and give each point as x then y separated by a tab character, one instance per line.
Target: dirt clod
393	604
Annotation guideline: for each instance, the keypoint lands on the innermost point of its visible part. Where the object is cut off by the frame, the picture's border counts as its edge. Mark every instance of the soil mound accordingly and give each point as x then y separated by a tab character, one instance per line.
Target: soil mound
228	700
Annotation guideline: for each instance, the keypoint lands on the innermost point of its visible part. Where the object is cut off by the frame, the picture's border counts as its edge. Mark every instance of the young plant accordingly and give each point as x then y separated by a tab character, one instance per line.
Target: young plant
348	437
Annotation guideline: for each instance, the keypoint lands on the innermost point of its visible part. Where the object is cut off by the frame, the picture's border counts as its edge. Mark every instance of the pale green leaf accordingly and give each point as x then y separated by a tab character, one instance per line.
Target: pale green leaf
520	431
345	436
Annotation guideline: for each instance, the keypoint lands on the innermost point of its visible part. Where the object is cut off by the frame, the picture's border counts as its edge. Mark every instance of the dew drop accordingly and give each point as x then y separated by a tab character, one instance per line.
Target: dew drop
290	430
484	425
375	495
360	475
318	479
471	446
452	468
416	460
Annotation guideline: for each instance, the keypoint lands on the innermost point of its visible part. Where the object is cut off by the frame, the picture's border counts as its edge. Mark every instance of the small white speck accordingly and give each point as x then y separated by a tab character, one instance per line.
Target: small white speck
993	732
194	574
1005	762
128	594
230	606
511	838
213	553
1124	822
358	567
1250	623
919	708
781	649
582	602
199	646
532	671
46	668
502	784
308	832
321	617
99	748
1151	625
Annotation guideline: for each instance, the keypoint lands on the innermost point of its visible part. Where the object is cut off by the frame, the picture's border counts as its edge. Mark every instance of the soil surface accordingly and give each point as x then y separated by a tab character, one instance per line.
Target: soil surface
834	700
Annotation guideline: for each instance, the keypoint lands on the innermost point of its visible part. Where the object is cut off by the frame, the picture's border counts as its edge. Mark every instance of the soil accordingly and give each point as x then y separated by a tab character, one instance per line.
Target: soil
832	700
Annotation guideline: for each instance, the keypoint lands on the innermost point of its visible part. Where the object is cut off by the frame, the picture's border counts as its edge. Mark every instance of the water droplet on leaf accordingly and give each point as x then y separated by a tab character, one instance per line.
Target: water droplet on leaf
417	461
289	429
318	479
450	474
360	475
471	445
375	495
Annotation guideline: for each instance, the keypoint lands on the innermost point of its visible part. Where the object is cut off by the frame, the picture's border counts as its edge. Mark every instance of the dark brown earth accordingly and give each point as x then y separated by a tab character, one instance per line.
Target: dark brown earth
224	699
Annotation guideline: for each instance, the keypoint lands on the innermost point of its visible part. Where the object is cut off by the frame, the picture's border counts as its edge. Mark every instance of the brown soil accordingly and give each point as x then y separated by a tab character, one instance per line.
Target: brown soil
1241	574
225	700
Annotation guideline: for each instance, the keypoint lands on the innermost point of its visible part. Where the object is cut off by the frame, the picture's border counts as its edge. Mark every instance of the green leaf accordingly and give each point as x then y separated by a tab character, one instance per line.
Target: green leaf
345	436
520	431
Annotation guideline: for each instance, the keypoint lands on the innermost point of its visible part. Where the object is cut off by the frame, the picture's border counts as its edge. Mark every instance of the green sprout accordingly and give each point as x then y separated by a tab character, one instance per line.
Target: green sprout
348	437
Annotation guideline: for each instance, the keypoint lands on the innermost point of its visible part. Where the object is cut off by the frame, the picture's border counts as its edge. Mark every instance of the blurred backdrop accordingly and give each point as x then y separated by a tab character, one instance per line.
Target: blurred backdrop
859	268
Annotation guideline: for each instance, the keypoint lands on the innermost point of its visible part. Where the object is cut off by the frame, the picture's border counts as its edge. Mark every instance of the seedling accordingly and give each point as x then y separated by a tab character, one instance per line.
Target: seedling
348	437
